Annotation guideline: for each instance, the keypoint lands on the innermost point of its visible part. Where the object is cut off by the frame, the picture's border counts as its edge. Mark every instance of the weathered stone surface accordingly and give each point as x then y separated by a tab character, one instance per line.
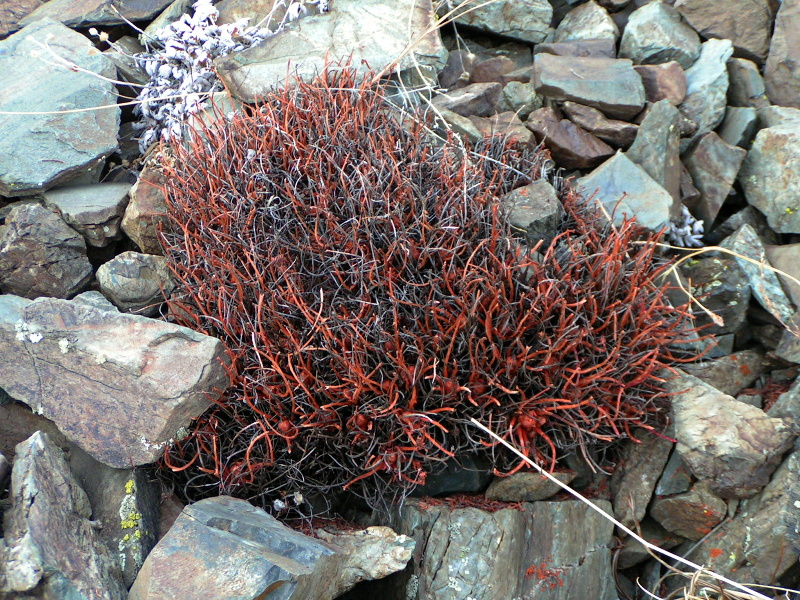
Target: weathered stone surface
692	514
146	211
460	125
739	126
507	124
523	20
713	165
769	177
230	549
656	34
624	188
458	69
519	98
764	283
18	423
5	469
534	210
479	99
657	149
778	116
747	23
527	486
635	478
603	48
635	552
620	134
588	21
12	11
782	71
85	13
666	81
748	215
731	445
369	32
676	477
707	86
469	473
729	374
118	385
787	259
40	151
570	146
94	211
608	84
40	255
746	84
723	287
788	347
469	553
52	549
135	282
492	70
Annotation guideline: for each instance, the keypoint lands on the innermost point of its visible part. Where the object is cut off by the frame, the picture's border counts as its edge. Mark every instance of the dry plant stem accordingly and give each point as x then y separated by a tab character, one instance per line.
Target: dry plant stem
630	532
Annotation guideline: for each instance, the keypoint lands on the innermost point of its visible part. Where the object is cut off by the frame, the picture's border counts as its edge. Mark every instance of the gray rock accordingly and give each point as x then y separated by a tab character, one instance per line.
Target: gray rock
788	347
747	23
625	189
40	151
787	406
136	283
666	81
778	116
40	255
768	177
603	48
85	13
506	124
764	283
5	469
635	478
782	71
746	84
52	549
467	474
588	21
146	211
608	84
713	165
493	69
118	385
656	149
618	134
94	211
786	258
748	215
240	551
692	514
174	11
707	86
522	20
18	423
369	32
739	126
470	553
527	486
729	374
461	126
656	34
570	146
519	98
479	99
536	211
731	445
634	552
676	477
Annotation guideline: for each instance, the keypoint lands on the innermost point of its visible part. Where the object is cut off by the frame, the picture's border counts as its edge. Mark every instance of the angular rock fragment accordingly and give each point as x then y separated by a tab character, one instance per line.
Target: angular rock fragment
739	126
85	13
707	86
507	124
146	211
782	71
527	486
588	21
118	385
666	81
635	552
571	146
603	48
656	34
619	134
676	477
723	287
38	151
729	374
746	84
656	149
94	211
608	84
40	255
458	70
692	514
136	283
787	259
492	70
522	20
52	550
535	210
12	11
732	446
478	99
519	98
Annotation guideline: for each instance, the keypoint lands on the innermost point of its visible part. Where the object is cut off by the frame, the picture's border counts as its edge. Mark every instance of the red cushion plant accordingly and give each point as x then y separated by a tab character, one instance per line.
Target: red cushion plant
373	299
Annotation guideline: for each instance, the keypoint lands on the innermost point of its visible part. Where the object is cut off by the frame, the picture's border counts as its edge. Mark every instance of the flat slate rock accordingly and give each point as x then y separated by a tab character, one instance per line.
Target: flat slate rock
85	13
522	20
95	211
39	151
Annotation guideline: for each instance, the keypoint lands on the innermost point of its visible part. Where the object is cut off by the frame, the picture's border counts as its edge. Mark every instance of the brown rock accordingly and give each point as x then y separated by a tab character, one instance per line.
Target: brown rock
782	71
526	486
146	211
535	211
478	99
666	81
458	69
579	48
746	84
692	514
571	146
787	259
506	124
587	21
619	134
690	195
747	23
729	374
83	13
492	70
12	11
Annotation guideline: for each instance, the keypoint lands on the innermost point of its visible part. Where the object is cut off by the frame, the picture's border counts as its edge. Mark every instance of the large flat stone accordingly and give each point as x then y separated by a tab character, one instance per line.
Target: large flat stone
95	211
38	151
85	13
782	71
522	20
707	86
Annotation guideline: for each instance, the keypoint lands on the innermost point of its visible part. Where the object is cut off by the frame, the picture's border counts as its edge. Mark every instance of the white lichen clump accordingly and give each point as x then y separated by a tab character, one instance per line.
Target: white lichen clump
687	232
179	64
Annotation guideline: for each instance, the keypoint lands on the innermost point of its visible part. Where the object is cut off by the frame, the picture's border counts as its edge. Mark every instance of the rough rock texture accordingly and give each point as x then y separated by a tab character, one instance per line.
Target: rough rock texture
478	99
608	84
40	255
507	124
731	445
527	486
85	13
136	282
713	165
729	374
746	84
118	385
588	21
676	477
787	259
739	126
747	23
39	151
769	177
782	71
12	11
635	479
604	48
571	146
368	31
692	514
619	134
51	549
535	210
469	553
523	20
707	86
666	81
656	34
146	211
624	188
230	549
94	211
